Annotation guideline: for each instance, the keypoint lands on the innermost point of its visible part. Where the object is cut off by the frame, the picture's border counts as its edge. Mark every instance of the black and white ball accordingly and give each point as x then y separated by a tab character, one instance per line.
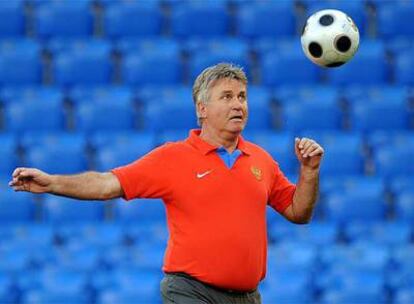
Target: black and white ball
330	38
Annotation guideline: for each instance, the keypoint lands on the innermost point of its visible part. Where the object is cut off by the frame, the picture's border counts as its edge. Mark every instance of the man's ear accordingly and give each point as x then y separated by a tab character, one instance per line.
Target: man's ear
201	109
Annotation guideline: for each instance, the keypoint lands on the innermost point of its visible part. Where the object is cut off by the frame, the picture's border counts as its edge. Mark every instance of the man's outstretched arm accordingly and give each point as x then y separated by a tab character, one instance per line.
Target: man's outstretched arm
85	186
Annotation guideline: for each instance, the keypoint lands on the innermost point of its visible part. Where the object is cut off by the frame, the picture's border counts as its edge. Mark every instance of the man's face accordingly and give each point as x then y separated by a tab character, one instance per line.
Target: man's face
226	110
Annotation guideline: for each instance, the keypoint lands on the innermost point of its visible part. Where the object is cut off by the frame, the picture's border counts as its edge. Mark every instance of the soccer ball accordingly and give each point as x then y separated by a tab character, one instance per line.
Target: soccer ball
330	38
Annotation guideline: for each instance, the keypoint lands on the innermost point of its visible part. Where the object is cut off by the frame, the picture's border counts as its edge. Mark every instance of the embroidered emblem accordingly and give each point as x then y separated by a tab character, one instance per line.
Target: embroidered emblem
256	172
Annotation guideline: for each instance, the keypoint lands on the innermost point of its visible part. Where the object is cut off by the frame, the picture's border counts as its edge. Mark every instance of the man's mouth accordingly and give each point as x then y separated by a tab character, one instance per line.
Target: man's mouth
236	118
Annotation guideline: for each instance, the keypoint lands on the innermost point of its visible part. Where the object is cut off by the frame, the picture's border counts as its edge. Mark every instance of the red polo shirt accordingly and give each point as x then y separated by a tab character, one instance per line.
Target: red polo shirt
216	215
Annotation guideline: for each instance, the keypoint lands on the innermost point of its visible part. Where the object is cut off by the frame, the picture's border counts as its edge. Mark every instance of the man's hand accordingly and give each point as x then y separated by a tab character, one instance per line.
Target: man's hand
308	152
31	180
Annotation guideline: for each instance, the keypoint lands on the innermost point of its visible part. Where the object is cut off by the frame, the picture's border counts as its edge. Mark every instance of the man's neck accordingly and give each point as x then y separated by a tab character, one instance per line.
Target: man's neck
221	139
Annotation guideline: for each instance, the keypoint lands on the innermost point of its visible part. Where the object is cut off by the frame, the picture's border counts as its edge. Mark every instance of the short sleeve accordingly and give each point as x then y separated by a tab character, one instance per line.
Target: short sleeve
147	177
282	191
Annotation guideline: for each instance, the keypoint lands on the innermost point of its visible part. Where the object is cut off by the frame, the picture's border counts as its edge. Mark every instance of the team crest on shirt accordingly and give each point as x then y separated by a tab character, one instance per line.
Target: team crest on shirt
257	172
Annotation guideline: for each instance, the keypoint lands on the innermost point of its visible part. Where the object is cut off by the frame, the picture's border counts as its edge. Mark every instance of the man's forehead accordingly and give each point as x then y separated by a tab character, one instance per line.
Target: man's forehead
228	84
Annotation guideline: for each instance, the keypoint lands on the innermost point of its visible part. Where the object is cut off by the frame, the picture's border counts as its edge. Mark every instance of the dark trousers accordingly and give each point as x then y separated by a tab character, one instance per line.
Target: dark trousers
183	289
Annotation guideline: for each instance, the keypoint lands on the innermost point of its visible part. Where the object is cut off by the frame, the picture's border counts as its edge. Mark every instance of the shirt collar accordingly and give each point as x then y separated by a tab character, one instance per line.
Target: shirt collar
205	148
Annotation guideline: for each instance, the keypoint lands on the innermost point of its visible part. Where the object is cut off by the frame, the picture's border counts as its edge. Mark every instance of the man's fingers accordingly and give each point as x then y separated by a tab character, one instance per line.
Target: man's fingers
17	171
318	151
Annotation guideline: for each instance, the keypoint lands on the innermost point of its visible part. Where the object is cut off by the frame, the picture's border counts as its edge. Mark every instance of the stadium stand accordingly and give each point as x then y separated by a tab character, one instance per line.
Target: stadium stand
95	84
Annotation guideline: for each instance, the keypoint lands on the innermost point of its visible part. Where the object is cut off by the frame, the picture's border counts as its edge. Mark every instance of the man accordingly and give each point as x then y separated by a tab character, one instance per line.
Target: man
215	186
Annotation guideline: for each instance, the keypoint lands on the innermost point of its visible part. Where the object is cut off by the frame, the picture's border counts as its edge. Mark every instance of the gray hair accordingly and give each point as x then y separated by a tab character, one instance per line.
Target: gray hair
208	78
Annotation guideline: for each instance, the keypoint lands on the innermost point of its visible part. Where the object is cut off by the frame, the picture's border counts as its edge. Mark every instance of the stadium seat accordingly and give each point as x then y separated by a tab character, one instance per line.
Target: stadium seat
7	295
301	116
287	65
65	210
45	296
143	141
404	209
215	51
115	297
374	185
383	138
72	141
110	115
400	184
83	64
403	69
392	161
46	94
142	210
354	206
279	145
364	116
171	136
343	152
8	148
16	207
97	94
395	19
320	94
60	158
24	116
63	19
110	157
396	94
297	257
404	296
20	62
151	67
132	19
13	262
80	256
354	9
159	45
368	67
384	233
212	19
12	18
257	19
166	115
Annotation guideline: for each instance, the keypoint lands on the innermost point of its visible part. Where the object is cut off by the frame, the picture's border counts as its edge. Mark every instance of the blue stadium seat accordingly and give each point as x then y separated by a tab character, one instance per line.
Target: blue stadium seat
260	108
46	296
383	233
403	68
286	287
12	18
400	184
317	116
86	63
132	19
368	67
13	262
158	45
395	19
109	157
354	9
404	208
171	136
65	210
66	156
392	161
110	115
97	94
281	66
116	297
404	296
374	185
80	256
364	116
343	152
142	210
143	141
255	20
215	51
319	233
7	295
279	145
16	207
354	206
8	148
151	67
20	62
24	116
212	19
354	295
291	93
379	139
167	115
63	19
75	141
46	94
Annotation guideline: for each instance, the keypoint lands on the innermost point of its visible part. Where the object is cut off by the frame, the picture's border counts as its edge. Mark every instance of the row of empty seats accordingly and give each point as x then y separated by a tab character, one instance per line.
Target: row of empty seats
164	62
382	153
